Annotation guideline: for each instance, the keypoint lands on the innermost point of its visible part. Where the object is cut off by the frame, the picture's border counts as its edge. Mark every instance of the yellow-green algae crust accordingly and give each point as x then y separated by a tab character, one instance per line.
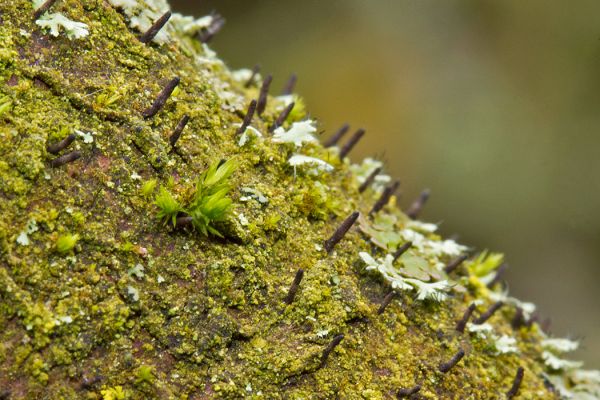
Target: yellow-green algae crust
206	318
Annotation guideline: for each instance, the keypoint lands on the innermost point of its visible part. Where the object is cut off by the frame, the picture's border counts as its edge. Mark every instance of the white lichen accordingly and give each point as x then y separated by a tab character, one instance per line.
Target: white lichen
365	169
319	165
554	346
556	363
484	330
527	308
23	238
436	291
137	271
124	4
425	290
505	344
133	293
419	226
247	134
560	345
577	384
437	248
55	21
243	220
322	333
243	75
255	194
88	137
298	134
64	320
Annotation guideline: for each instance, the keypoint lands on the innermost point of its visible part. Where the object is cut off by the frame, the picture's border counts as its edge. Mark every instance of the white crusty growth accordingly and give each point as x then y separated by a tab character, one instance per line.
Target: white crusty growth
298	134
54	22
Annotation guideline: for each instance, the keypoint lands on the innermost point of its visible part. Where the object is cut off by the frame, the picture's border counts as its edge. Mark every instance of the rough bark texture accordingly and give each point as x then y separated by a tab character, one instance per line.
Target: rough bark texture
100	300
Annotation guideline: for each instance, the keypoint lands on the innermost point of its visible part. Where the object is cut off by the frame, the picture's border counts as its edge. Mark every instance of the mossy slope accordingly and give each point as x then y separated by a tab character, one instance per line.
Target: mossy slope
132	309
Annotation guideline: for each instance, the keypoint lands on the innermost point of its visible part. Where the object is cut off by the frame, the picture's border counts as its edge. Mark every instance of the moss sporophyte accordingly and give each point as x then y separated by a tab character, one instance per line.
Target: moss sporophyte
135	264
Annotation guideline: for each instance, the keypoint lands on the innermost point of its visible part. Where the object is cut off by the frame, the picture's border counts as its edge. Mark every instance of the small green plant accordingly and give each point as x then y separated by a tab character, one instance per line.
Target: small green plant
144	374
114	393
485	263
148	187
106	100
168	206
209	203
5	104
66	243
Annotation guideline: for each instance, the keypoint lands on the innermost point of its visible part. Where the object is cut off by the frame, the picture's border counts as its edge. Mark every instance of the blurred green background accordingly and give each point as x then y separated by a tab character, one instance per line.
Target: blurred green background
494	105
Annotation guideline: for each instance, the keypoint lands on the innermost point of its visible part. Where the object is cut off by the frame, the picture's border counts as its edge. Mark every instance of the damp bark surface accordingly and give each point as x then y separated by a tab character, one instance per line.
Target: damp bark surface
136	309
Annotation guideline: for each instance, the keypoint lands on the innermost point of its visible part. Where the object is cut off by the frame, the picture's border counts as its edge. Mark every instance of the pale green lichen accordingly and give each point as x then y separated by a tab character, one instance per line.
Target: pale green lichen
298	134
55	21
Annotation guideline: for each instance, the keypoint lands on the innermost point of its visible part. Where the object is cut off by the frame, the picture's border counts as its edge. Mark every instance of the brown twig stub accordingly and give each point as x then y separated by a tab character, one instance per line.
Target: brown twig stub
294	287
519	319
363	186
448	365
42	9
155	28
335	138
407	392
452	265
65	159
416	207
205	35
499	273
179	129
385	197
282	116
332	345
460	326
401	250
255	71
162	98
514	389
247	118
386	301
289	86
184	221
56	148
347	148
340	232
263	95
488	313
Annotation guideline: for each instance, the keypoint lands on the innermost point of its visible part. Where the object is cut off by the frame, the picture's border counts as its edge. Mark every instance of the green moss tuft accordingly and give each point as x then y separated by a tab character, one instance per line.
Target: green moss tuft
169	207
66	243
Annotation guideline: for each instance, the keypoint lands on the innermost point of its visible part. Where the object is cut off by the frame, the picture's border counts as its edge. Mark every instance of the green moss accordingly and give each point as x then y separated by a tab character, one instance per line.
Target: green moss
148	187
144	375
66	243
168	206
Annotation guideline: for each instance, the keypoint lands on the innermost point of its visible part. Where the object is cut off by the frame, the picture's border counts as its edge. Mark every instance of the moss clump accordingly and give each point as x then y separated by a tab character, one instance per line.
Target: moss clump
140	311
66	243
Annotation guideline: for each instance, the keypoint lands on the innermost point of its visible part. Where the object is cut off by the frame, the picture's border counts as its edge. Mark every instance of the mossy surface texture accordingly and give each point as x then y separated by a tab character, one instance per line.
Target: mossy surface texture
99	299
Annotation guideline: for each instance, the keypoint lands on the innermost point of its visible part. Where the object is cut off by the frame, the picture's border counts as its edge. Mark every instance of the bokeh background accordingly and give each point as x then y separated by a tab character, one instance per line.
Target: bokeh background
494	105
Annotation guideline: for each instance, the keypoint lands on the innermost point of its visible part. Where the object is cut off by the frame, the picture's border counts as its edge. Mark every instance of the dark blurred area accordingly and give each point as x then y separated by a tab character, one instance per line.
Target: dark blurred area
493	105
